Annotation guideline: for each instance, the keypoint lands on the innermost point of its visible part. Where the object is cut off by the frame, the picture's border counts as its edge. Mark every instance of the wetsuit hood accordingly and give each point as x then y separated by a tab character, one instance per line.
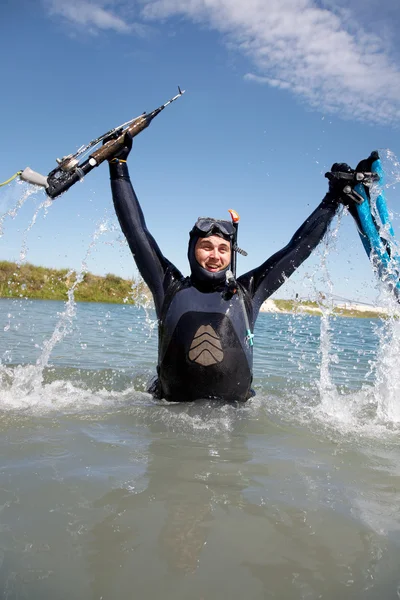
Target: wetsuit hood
205	227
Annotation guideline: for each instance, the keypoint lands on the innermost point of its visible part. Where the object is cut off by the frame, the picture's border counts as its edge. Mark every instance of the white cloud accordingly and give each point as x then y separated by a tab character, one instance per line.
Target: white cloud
318	54
88	14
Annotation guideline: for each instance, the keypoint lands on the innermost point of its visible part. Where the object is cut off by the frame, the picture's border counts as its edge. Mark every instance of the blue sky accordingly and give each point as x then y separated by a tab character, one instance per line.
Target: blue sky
277	90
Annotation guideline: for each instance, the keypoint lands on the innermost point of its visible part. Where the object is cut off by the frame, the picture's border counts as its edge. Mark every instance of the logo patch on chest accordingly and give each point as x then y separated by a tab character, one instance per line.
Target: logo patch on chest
206	348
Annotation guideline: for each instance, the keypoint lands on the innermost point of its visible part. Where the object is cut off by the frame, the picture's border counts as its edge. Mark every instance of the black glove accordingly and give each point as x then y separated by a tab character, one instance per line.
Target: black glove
365	166
117	163
363	172
343	179
122	153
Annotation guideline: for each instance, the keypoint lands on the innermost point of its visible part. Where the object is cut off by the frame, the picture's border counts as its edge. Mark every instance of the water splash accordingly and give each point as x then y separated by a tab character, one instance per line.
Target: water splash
387	386
327	389
12	212
391	167
27	381
378	404
387	381
140	296
22	390
23	252
65	321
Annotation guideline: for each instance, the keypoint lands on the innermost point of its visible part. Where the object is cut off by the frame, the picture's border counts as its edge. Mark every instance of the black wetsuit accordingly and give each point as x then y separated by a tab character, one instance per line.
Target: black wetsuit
203	350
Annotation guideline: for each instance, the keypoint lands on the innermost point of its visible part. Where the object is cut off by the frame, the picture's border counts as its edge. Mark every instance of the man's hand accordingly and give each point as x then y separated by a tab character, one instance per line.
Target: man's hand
343	179
122	153
365	166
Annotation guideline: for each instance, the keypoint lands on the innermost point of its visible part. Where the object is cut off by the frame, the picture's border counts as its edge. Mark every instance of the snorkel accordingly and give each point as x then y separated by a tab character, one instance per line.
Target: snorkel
231	275
235	222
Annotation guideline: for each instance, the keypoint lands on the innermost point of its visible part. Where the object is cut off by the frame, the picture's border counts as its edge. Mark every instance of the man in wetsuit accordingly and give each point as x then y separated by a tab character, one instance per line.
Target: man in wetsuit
206	320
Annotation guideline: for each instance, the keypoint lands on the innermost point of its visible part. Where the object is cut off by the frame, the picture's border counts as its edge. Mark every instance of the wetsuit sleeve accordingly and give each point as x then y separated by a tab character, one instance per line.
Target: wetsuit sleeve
267	278
155	269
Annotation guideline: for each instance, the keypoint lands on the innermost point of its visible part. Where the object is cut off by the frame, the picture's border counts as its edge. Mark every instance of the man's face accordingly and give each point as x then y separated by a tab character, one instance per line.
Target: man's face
213	253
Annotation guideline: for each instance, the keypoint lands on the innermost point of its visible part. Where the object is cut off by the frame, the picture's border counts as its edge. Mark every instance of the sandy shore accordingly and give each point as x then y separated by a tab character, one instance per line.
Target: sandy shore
269	306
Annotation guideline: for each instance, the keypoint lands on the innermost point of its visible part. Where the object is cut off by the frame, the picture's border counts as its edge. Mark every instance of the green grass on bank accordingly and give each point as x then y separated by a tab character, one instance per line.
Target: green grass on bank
29	281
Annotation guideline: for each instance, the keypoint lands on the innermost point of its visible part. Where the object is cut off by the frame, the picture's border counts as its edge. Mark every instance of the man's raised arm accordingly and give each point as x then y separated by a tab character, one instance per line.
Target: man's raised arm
153	266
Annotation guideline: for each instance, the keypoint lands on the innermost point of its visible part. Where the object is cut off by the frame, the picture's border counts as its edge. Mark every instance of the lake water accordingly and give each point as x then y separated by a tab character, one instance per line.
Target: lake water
106	494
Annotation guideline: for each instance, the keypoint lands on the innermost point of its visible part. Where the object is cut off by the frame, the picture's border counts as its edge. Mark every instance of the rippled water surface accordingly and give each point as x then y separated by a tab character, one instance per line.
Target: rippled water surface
107	494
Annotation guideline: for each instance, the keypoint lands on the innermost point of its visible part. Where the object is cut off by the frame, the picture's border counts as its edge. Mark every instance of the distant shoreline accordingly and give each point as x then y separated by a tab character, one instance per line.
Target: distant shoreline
308	307
41	283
